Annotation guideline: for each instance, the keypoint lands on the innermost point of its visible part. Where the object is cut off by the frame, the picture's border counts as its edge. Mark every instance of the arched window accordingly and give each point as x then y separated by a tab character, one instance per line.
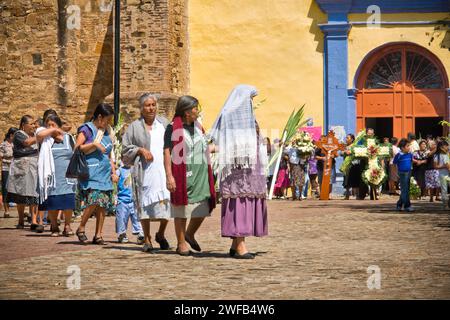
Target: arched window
420	71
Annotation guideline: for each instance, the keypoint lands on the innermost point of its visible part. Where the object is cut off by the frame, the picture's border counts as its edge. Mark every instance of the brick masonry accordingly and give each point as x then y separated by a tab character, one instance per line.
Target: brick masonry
46	61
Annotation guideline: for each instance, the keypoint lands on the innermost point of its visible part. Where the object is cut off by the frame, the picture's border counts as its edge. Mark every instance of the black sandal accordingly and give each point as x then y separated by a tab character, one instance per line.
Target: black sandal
163	243
193	243
184	253
245	256
82	237
67	233
55	231
98	241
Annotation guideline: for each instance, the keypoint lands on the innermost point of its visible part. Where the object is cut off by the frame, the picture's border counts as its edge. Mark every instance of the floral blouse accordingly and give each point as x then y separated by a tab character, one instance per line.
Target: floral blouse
6	154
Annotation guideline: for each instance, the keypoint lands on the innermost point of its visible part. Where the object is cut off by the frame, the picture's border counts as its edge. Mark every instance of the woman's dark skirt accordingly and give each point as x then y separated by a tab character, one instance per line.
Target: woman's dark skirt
22	200
5	176
60	202
353	178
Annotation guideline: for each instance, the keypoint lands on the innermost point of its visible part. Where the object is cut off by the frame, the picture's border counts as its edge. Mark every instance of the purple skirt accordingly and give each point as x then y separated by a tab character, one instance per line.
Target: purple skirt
244	217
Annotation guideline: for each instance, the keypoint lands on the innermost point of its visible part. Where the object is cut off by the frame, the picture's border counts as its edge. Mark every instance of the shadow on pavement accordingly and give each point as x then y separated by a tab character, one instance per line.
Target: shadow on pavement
376	207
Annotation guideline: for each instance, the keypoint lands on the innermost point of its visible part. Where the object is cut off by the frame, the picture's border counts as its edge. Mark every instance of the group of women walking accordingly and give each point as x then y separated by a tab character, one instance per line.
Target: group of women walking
171	171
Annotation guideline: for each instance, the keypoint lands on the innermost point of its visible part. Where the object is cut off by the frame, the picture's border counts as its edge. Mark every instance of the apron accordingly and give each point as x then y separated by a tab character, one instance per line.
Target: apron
99	165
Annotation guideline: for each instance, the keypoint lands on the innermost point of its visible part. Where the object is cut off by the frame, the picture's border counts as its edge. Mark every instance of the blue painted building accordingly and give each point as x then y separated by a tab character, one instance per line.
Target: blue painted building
386	65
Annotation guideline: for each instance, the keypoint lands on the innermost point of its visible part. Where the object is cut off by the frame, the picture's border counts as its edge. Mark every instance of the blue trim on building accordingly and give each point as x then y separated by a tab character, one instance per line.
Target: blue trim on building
386	6
336	109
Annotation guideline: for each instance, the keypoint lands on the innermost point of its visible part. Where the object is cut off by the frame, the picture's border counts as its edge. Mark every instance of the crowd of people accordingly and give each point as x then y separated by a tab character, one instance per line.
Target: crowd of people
426	160
164	172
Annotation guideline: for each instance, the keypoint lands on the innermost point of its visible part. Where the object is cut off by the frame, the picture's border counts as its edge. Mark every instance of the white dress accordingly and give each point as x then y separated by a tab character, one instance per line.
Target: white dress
155	200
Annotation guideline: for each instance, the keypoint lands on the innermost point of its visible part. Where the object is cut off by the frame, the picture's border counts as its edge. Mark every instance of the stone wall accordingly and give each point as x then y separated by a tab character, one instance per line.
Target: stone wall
47	61
154	46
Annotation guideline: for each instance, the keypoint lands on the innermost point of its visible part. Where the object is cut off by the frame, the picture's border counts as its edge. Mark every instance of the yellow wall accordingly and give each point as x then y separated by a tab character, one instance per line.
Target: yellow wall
362	40
274	45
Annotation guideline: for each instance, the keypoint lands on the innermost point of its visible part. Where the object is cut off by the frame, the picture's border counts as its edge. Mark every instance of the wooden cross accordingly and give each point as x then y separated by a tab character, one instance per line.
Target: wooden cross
330	146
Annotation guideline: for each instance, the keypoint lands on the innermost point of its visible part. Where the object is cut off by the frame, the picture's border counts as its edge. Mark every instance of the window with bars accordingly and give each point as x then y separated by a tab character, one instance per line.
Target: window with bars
420	71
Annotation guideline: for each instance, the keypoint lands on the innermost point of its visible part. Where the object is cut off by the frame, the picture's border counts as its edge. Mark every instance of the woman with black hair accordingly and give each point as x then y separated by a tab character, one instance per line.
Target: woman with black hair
58	192
189	174
23	179
6	156
95	139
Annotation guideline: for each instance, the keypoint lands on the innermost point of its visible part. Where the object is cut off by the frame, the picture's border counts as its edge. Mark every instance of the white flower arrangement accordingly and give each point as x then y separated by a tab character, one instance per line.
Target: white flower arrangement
371	142
360	152
374	174
303	142
384	151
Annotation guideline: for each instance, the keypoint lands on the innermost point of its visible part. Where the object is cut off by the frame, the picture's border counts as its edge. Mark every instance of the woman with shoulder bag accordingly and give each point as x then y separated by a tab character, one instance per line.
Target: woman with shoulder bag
96	142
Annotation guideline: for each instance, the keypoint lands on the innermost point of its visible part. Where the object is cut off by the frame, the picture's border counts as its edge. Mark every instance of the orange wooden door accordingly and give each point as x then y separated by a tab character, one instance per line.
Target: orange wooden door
402	81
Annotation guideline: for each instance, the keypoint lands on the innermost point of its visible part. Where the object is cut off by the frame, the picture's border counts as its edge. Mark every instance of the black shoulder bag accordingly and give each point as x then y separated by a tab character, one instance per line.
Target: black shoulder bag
78	168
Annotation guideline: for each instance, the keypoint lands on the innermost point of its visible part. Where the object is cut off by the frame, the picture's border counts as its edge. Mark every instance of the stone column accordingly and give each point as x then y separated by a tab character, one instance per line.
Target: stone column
154	53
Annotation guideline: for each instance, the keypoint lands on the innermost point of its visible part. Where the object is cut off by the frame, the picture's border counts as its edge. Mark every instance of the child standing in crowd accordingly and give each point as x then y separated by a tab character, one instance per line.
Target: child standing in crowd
282	182
432	183
125	207
312	173
442	164
403	160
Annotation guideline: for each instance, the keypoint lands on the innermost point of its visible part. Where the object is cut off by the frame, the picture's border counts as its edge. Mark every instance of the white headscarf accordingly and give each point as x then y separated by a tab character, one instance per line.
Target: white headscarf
234	131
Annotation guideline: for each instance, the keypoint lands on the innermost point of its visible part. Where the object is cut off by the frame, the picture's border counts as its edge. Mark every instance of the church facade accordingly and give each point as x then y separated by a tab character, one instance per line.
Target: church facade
353	63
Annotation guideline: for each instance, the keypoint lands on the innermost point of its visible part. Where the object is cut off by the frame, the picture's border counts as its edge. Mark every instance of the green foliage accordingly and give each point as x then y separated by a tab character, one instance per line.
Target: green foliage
414	189
118	138
294	122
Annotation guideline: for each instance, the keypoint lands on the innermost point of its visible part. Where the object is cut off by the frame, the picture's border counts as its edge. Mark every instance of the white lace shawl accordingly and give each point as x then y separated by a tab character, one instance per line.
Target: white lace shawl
234	132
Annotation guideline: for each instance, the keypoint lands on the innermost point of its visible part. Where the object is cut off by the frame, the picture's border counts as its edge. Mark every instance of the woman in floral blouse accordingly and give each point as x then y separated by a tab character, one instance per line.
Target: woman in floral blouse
6	156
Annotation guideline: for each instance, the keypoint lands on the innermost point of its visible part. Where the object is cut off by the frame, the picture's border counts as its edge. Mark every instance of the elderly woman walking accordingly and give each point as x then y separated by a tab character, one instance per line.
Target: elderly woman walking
23	179
242	161
6	156
189	174
95	140
143	145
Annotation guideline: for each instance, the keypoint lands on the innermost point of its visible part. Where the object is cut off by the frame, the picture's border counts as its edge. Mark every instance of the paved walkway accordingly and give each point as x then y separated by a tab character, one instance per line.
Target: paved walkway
316	250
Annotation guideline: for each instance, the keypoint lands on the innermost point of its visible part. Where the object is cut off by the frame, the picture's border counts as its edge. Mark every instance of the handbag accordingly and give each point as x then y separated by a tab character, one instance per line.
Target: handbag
78	167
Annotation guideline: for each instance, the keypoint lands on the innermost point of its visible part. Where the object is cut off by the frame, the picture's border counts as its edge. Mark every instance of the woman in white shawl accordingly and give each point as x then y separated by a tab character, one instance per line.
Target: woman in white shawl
242	180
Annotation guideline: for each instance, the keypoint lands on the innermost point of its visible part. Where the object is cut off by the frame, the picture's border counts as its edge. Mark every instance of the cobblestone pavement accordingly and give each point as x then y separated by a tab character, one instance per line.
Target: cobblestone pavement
316	250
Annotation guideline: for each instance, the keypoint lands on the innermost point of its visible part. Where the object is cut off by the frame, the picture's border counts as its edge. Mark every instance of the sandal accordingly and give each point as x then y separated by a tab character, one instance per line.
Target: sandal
163	243
245	256
148	248
67	232
184	253
98	240
193	243
55	232
82	236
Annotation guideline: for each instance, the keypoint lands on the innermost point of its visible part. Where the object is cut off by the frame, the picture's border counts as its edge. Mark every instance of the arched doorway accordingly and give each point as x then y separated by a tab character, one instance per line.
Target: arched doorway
401	88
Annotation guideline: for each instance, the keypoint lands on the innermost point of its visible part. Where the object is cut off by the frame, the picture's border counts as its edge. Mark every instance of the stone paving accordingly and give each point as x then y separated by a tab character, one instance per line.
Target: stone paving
316	250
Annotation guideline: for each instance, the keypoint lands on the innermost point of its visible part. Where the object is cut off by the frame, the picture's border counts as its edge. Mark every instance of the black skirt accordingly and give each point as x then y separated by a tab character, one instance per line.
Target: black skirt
353	178
24	200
